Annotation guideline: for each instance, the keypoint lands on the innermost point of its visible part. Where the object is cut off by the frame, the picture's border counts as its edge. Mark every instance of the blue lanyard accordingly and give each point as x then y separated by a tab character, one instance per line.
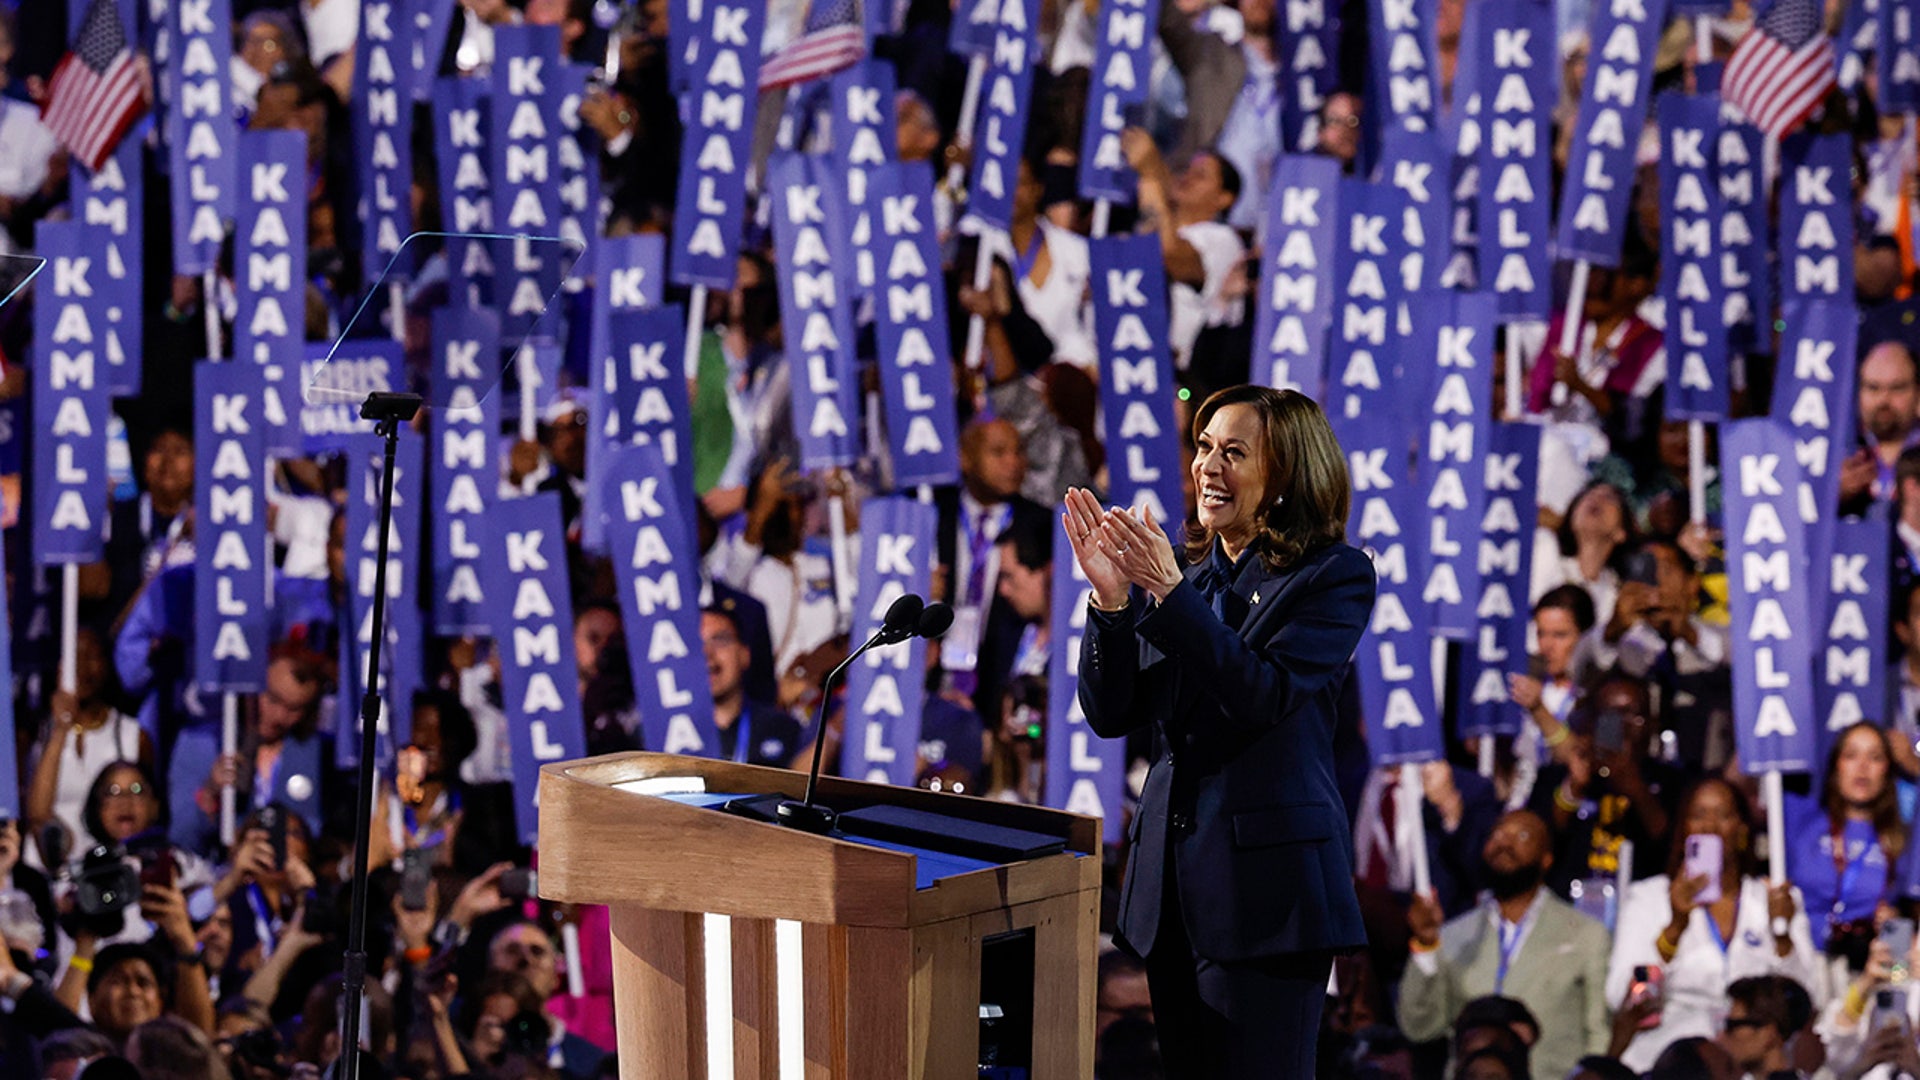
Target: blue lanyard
744	725
263	920
1713	927
1023	262
1850	876
439	835
1509	944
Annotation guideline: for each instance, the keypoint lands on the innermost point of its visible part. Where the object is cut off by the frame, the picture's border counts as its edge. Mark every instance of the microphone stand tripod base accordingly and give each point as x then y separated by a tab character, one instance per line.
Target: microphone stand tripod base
806	817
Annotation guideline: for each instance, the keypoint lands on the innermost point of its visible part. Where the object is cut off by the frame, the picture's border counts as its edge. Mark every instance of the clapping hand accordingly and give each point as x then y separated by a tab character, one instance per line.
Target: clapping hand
1082	517
1139	549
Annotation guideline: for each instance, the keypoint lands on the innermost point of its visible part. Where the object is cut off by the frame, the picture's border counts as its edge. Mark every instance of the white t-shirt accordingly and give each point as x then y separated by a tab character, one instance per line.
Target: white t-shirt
1194	310
332	27
1061	304
802	612
26	146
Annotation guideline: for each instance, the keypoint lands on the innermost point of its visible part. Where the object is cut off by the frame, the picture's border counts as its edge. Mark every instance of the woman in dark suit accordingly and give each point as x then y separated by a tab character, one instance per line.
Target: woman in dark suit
1239	887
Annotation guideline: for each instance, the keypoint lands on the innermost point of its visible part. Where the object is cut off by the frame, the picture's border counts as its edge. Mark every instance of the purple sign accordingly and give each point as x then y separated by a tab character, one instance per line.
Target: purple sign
1774	633
465	476
910	330
1297	298
382	107
1085	774
539	677
815	310
651	544
885	692
1120	81
200	131
270	276
1453	453
1606	134
1006	100
233	555
115	197
1505	565
715	148
1136	375
70	402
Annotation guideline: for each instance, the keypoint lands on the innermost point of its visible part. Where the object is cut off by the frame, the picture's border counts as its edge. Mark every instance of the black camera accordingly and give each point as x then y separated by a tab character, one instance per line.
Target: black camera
257	1053
104	887
527	1035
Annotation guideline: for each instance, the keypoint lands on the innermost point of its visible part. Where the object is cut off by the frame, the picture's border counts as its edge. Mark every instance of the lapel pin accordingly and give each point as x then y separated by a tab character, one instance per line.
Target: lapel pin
1256	596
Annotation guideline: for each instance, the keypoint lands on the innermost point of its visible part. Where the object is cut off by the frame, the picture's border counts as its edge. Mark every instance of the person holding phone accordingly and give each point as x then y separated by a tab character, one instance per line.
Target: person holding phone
1610	791
1656	633
1708	920
430	807
1239	885
1869	1032
1547	692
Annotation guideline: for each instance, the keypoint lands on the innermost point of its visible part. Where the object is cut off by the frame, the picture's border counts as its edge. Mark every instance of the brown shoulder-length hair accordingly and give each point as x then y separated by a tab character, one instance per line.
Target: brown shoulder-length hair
1308	493
1886	805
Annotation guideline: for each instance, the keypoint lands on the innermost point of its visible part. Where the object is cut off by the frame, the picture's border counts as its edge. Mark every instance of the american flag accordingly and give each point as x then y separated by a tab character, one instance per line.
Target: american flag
833	38
1781	68
95	94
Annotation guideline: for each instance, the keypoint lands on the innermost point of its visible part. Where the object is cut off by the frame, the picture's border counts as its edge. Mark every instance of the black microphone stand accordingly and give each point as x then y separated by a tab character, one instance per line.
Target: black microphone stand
387	411
804	815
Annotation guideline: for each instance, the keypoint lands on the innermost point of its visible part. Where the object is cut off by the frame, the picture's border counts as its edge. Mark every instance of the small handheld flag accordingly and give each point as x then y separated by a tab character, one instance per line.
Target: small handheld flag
95	95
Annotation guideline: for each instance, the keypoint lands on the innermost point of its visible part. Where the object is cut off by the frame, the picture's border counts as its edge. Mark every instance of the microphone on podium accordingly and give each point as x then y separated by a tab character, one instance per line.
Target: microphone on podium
907	617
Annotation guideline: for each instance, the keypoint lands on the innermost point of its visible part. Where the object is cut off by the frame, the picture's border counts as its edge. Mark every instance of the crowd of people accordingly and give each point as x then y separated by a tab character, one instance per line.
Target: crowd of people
1601	901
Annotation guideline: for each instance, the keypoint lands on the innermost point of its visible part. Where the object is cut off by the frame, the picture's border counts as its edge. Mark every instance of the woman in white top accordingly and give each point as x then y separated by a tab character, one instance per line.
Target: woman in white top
84	736
1200	249
1051	269
1753	929
1580	549
769	562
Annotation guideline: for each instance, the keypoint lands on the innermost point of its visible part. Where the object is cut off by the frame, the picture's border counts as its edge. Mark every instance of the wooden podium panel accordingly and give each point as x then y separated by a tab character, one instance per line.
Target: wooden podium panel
823	959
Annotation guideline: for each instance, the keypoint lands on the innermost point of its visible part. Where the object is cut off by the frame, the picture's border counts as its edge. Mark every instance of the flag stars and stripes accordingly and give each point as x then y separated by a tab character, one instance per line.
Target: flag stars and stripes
1782	68
95	93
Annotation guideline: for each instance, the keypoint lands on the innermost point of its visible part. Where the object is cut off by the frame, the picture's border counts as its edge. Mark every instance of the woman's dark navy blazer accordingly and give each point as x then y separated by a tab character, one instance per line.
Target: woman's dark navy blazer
1244	799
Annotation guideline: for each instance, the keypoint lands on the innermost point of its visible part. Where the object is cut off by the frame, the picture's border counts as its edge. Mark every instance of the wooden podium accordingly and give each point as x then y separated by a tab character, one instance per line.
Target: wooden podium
832	962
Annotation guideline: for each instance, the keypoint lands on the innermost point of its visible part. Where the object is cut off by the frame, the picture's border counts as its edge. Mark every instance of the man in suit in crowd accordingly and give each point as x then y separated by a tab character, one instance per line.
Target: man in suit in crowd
282	758
1524	943
986	630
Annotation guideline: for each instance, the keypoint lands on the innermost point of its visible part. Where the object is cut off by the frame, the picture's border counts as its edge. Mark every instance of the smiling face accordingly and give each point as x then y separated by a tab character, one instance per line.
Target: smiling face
1230	473
127	997
169	470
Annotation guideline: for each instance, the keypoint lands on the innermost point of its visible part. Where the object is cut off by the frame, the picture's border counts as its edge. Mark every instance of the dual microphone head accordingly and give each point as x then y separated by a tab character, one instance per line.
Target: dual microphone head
911	617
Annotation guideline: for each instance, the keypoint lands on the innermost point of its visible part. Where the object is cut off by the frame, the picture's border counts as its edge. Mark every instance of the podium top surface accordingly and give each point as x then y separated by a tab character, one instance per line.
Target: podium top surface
603	841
